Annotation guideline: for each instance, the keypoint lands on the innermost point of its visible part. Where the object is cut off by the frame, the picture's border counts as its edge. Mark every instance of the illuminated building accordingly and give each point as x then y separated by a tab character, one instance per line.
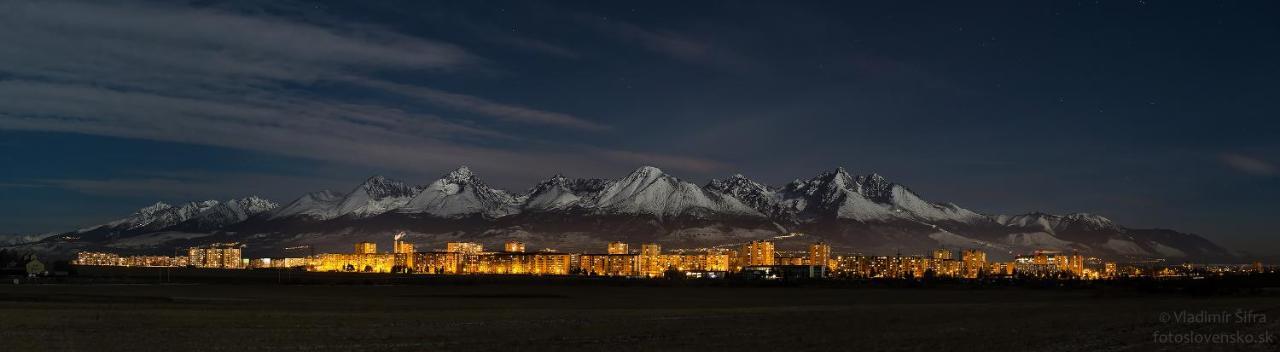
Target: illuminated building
514	247
942	254
463	259
464	247
400	246
517	263
974	262
618	248
97	258
758	253
820	256
259	263
780	258
222	256
946	267
354	262
650	249
286	263
366	248
148	260
609	264
650	261
1002	269
1049	263
403	252
442	263
1109	270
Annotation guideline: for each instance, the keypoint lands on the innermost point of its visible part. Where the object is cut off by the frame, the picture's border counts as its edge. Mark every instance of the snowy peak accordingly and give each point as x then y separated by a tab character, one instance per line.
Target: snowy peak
553	193
230	212
1090	221
869	197
375	196
1053	223
314	205
758	196
460	193
648	190
875	187
254	205
380	187
158	216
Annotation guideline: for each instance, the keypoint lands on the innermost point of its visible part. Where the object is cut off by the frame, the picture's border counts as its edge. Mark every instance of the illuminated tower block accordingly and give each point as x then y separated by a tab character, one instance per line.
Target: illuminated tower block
618	248
650	249
819	254
974	260
464	247
514	247
366	248
651	260
399	245
942	254
758	253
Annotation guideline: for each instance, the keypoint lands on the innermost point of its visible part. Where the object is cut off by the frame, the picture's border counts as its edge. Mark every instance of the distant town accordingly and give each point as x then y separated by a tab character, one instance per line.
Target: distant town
755	260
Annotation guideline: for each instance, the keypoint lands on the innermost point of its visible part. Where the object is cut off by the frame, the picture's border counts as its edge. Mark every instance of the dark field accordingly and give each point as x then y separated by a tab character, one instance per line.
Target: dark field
531	316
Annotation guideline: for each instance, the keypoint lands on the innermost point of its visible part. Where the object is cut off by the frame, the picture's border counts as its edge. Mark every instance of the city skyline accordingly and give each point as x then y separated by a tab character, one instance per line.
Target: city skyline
1153	115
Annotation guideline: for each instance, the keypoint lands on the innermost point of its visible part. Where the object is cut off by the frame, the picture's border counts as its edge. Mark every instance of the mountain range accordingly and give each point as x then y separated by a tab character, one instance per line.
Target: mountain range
863	213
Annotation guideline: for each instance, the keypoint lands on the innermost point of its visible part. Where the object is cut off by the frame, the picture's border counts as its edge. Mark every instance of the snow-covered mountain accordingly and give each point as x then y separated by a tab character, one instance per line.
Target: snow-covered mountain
205	215
315	205
649	191
375	196
866	213
156	216
560	193
228	213
863	198
761	197
461	193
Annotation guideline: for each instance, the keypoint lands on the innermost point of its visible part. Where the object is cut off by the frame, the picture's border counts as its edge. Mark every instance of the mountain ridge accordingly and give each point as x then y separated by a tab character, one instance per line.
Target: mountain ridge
863	211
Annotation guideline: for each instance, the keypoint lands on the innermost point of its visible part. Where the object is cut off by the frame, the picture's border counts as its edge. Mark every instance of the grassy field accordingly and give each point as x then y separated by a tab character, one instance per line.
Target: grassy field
553	317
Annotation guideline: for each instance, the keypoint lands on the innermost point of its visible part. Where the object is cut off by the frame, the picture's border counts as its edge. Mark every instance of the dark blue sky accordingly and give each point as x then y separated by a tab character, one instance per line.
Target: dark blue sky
1156	114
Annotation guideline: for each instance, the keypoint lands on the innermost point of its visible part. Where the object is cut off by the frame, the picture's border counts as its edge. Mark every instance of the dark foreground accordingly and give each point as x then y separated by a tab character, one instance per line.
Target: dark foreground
553	317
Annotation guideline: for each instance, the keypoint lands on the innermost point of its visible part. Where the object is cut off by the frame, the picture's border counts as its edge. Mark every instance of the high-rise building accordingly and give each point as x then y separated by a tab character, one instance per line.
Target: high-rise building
464	247
650	249
514	247
650	260
942	254
224	256
402	247
820	254
366	248
974	261
618	248
758	253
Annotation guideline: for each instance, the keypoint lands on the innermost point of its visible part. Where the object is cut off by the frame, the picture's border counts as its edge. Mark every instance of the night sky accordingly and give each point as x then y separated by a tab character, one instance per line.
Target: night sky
1152	113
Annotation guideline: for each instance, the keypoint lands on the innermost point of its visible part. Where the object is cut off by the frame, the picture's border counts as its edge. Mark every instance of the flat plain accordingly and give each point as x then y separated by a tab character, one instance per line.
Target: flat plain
558	316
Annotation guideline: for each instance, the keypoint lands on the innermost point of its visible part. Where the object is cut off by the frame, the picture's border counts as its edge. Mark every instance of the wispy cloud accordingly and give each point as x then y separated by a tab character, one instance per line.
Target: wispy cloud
214	77
1249	165
478	105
